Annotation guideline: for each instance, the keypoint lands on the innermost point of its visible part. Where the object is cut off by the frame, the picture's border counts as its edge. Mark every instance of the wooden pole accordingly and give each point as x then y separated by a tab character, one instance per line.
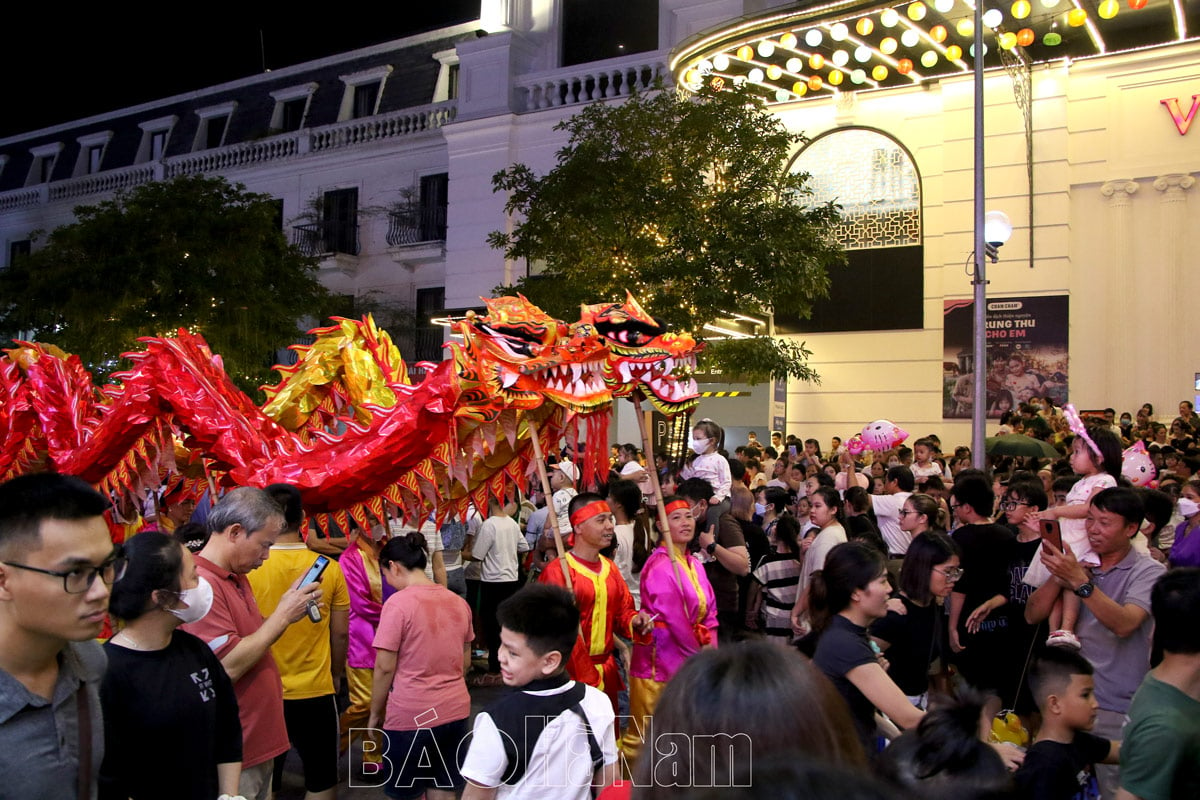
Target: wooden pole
550	515
658	495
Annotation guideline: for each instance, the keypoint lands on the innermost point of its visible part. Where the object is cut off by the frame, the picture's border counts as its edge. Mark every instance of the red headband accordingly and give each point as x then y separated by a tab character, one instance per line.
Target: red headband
593	508
676	505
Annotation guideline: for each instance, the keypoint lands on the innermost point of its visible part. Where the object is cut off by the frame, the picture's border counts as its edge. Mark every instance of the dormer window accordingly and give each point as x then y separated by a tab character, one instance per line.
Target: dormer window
91	153
446	87
363	92
156	133
291	107
213	126
44	159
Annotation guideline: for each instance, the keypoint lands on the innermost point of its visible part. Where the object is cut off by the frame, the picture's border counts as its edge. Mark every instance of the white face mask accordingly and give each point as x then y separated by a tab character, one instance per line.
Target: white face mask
700	446
199	600
1188	507
760	509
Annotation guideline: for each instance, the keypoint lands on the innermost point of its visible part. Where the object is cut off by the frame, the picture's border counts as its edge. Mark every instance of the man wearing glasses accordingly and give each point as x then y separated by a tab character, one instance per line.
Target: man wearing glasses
54	544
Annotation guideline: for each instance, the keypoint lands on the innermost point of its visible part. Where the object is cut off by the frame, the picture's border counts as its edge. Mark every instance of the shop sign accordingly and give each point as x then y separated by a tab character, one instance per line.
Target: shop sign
1182	121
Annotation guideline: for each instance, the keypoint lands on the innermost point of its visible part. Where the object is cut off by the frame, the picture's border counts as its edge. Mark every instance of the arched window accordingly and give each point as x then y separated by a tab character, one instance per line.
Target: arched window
874	180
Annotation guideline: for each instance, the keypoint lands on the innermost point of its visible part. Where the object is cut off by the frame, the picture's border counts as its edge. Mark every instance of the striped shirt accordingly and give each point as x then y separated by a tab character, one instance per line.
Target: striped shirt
779	574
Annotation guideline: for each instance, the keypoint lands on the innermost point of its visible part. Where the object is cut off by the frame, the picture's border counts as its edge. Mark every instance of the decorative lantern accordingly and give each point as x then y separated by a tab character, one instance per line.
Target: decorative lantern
904	66
864	26
938	33
1026	37
917	11
1076	17
880	72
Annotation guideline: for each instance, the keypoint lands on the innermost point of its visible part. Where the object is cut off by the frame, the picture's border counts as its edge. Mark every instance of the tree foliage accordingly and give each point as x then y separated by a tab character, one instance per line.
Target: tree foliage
194	252
685	202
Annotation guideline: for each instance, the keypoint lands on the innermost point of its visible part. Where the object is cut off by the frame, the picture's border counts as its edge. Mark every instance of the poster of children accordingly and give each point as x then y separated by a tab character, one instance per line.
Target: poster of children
1026	354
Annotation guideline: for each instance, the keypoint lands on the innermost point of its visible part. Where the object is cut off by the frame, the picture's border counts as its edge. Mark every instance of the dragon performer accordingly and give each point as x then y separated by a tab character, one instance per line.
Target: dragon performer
345	423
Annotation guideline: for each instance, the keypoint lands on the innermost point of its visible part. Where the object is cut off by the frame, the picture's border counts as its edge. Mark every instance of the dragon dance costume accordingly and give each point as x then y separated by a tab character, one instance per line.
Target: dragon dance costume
605	607
682	601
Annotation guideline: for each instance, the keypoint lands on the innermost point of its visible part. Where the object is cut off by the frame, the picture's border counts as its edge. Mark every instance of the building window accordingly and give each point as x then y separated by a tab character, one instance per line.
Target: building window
156	135
91	153
95	154
291	107
875	181
45	157
340	220
292	116
365	98
214	134
213	126
430	336
18	250
446	87
363	93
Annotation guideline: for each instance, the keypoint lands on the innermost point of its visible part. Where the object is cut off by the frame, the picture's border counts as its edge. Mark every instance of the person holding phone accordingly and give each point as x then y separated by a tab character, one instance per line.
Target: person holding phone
311	656
244	525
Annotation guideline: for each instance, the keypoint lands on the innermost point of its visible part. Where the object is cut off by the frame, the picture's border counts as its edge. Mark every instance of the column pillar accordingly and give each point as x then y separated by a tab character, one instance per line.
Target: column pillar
1177	288
1120	349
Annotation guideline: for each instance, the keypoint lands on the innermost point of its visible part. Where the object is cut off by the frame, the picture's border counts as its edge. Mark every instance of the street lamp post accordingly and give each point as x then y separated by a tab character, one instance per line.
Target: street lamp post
991	231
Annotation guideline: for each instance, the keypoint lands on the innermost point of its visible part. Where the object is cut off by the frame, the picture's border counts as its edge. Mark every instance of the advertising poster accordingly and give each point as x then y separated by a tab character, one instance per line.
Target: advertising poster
1026	354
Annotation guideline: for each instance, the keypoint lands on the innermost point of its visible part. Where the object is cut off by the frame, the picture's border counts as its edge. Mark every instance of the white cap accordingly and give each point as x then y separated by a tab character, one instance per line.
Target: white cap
568	469
632	468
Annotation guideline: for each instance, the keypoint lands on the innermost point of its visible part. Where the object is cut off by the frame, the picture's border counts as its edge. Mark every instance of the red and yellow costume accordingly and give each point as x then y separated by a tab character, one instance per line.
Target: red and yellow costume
605	607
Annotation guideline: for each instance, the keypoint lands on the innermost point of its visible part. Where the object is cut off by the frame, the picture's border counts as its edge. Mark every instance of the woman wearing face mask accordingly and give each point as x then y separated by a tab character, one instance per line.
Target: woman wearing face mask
1185	552
170	714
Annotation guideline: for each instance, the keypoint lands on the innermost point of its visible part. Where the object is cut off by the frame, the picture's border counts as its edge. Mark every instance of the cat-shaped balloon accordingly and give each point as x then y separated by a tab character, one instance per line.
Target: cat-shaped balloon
1137	466
882	435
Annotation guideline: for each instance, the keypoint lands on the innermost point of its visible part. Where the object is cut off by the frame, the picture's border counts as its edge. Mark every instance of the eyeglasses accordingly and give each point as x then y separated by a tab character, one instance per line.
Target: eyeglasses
1011	505
950	573
904	512
80	579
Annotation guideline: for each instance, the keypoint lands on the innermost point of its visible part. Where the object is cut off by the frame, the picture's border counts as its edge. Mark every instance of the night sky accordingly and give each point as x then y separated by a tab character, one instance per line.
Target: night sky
56	69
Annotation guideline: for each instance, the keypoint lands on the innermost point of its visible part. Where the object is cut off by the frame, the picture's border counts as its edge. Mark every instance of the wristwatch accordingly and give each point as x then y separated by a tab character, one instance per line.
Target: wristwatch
711	549
1085	590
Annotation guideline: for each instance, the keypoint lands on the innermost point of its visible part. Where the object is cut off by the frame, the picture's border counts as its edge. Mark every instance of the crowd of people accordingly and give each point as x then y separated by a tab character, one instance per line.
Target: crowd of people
894	624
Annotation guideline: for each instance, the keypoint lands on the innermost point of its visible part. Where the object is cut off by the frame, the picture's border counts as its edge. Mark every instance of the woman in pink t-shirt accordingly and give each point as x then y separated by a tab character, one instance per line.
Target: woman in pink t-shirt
422	651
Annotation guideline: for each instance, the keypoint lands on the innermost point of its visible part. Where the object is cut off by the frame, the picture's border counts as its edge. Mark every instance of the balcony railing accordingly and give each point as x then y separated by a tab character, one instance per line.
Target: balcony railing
407	122
416	224
599	80
322	238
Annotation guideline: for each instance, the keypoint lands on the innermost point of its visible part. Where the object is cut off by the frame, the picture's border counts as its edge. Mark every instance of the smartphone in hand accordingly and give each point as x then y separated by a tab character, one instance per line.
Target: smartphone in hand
312	576
1052	533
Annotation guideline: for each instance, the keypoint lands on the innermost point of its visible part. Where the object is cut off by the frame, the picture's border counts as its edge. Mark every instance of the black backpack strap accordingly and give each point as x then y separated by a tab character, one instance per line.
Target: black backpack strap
593	745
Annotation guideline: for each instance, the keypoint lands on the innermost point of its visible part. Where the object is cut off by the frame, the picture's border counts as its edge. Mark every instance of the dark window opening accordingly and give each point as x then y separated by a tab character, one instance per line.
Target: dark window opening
340	220
45	169
365	96
453	83
594	30
95	155
880	289
18	250
430	302
293	114
215	131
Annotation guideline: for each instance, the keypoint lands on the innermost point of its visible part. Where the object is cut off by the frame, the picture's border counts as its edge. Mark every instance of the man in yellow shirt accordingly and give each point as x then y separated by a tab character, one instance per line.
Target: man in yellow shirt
311	656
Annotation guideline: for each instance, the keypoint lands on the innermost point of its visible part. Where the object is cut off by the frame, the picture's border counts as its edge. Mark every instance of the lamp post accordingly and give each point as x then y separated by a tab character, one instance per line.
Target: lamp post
991	234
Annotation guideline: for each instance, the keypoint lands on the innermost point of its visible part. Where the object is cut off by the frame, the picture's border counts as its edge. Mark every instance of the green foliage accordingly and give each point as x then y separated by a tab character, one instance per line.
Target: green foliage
686	203
194	252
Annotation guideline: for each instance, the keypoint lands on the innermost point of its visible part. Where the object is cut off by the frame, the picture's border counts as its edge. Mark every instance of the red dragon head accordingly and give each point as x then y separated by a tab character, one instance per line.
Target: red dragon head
517	356
644	355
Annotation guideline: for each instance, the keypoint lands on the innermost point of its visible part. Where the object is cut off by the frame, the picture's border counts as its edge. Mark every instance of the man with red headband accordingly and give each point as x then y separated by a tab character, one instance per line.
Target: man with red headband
605	604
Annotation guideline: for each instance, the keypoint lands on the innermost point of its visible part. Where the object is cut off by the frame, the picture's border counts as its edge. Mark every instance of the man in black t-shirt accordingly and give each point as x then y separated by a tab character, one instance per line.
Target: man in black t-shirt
978	629
1060	765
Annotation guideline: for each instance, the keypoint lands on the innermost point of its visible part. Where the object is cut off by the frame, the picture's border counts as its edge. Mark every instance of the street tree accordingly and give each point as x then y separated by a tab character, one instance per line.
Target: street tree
195	252
686	202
